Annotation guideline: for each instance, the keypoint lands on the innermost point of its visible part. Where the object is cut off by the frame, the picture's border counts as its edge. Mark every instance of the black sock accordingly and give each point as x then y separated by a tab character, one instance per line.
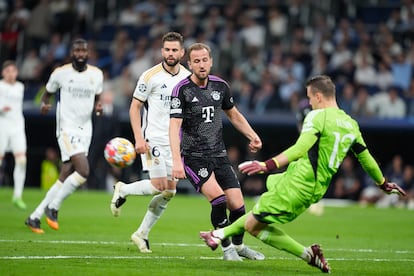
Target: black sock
234	215
219	215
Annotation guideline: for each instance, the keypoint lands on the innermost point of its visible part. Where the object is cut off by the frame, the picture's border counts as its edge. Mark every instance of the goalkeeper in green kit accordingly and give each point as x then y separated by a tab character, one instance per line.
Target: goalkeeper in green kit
327	135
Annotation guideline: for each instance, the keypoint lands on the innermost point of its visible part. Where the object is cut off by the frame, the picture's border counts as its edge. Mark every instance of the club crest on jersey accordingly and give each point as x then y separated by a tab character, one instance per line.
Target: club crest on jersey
142	88
215	95
175	103
203	172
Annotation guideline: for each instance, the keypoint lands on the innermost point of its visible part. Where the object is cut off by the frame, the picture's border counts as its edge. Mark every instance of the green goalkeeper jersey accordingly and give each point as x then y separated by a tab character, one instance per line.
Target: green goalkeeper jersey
326	137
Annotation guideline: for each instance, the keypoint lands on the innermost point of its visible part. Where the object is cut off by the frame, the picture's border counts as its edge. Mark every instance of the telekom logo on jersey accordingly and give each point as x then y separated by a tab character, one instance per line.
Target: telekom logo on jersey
207	113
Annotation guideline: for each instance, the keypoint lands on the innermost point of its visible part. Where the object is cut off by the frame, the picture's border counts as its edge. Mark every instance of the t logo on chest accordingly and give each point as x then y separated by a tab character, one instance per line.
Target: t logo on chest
207	113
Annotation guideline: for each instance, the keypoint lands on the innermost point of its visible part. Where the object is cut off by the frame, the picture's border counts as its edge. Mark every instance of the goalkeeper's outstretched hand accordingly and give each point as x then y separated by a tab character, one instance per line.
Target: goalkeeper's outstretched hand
253	167
392	188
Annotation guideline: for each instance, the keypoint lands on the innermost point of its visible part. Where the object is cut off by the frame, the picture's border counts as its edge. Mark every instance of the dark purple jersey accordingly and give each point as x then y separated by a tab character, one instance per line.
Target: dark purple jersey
201	111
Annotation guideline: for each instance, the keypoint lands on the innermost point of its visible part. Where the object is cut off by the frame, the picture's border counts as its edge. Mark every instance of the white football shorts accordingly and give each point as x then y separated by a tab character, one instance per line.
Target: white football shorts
71	144
158	161
13	140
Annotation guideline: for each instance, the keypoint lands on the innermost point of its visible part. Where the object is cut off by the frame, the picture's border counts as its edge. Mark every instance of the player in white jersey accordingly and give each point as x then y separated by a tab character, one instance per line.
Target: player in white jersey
79	85
12	125
153	94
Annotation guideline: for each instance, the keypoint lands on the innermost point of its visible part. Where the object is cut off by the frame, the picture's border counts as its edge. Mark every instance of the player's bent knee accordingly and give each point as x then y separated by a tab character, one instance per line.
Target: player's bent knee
168	194
20	163
80	179
84	172
160	202
21	160
253	232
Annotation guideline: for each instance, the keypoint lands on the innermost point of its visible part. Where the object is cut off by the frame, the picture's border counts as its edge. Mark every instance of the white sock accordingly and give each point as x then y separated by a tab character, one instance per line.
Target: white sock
306	254
219	233
156	208
19	176
69	187
227	247
238	246
50	195
147	223
142	187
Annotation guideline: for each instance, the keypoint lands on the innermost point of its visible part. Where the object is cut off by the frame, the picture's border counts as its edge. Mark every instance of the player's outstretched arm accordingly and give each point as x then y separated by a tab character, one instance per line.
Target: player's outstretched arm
392	188
255	167
371	167
252	167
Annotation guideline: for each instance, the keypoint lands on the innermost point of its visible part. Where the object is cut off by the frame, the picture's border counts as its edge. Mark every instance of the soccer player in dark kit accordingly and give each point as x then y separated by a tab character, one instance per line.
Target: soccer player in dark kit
200	155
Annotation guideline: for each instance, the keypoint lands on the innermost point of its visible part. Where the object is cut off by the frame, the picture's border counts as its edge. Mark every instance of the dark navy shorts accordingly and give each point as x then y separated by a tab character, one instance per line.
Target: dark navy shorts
199	169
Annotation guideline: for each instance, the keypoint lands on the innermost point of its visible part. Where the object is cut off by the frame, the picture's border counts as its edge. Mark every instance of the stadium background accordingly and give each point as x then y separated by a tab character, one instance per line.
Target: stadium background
265	50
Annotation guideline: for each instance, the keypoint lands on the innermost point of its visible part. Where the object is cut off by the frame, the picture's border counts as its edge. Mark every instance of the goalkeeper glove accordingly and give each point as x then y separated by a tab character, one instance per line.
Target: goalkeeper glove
392	188
253	167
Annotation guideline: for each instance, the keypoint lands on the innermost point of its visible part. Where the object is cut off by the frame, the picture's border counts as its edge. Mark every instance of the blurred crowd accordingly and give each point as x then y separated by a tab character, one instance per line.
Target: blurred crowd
264	49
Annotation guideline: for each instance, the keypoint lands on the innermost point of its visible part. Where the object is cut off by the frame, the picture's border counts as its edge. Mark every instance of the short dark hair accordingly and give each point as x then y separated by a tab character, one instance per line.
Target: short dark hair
7	63
173	36
322	84
79	41
198	46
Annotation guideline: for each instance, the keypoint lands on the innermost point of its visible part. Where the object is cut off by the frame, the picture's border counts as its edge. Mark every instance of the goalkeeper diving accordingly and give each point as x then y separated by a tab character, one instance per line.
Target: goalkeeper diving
326	137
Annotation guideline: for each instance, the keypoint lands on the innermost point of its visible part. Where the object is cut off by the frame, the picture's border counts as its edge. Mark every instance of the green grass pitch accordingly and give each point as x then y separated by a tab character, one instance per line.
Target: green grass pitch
356	241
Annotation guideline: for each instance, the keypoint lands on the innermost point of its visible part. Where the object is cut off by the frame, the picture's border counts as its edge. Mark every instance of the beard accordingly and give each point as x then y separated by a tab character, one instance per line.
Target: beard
170	62
79	64
201	76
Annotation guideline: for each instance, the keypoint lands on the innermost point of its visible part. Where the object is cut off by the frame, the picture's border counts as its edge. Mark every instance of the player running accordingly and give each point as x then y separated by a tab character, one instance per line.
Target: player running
152	95
80	86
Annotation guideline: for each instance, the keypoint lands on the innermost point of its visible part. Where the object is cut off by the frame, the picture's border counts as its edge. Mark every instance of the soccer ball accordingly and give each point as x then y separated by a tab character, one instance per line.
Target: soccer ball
120	152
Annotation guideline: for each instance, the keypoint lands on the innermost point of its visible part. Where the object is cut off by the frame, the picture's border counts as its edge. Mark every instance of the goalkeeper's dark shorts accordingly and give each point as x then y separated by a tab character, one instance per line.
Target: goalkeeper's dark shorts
199	169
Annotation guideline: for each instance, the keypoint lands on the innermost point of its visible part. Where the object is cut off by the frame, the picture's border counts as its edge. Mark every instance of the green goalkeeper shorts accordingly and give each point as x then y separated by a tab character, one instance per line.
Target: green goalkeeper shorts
283	202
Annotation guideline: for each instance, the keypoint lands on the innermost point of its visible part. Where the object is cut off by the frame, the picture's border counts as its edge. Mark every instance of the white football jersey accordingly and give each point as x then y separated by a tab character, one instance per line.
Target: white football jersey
76	98
11	95
154	88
